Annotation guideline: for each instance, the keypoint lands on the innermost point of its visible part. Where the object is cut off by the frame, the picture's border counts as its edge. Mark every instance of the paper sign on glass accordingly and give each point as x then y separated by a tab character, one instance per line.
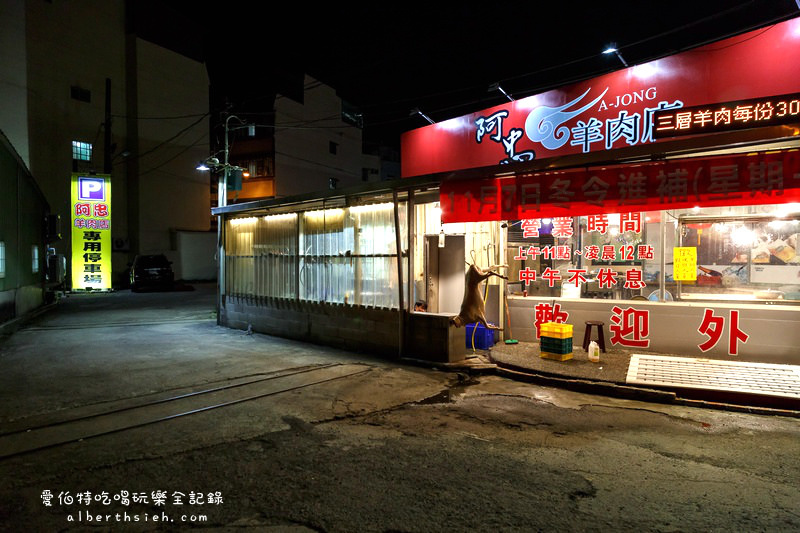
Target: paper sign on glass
685	263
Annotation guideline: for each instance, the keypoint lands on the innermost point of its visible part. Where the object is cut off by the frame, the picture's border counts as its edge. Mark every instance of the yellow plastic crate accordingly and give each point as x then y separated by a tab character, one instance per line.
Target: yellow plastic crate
556	356
554	330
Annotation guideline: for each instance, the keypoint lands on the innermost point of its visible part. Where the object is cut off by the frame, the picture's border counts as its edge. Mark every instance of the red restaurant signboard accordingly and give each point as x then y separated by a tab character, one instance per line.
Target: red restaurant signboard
611	111
760	178
727	116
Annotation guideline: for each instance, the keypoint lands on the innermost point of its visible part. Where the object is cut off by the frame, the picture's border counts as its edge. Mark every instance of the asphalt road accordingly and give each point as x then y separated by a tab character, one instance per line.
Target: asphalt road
287	436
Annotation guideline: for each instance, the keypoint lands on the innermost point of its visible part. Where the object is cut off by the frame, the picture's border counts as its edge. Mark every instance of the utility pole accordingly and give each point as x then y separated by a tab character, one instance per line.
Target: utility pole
223	175
107	149
222	201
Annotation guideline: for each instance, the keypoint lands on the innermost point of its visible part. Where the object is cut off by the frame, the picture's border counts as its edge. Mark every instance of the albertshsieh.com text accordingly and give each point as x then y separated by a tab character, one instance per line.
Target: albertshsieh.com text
84	516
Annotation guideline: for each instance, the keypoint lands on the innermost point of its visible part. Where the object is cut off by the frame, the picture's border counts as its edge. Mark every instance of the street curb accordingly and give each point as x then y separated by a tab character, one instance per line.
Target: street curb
604	388
705	404
464	367
11	326
637	393
591	387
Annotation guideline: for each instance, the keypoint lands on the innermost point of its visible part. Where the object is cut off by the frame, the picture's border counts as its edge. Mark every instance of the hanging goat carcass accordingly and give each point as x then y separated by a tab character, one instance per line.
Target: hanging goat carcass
472	307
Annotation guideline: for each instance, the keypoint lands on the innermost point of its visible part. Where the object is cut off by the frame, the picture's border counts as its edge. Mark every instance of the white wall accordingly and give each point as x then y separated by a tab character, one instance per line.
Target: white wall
173	194
83	43
196	260
65	48
303	162
673	327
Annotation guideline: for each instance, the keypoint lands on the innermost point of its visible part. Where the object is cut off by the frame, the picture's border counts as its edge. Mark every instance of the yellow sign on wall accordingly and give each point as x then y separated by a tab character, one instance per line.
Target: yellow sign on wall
684	266
91	232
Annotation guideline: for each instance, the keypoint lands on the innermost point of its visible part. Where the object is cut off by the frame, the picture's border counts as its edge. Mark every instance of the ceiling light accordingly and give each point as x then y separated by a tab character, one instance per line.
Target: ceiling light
613	50
416	111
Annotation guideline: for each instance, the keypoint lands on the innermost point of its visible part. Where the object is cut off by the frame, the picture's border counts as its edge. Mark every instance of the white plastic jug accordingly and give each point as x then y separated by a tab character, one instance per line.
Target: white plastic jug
594	352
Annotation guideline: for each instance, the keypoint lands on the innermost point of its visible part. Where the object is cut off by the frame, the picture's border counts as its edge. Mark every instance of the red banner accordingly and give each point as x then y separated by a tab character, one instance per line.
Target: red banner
728	116
761	178
615	110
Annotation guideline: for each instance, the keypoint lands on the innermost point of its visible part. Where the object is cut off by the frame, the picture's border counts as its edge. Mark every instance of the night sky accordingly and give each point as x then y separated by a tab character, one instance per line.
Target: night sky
388	59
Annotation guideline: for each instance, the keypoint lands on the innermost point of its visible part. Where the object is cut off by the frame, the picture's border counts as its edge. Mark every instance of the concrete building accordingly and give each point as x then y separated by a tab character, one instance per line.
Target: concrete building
106	87
23	238
674	237
315	148
95	74
304	145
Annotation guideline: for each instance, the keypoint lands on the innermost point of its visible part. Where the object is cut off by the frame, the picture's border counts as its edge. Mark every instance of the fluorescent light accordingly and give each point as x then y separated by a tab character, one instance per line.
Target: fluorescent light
246	220
277	218
371	208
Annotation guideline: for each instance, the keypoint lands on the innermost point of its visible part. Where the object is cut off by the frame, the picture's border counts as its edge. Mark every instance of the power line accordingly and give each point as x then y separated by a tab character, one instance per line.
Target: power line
196	143
317	163
173	117
582	59
180	132
561	82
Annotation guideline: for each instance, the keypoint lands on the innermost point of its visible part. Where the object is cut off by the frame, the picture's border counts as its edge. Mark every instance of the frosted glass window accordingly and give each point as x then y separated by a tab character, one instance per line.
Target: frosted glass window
261	256
345	255
350	256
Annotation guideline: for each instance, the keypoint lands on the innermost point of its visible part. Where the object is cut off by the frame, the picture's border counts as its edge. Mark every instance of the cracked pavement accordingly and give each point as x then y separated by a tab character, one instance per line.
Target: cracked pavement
396	448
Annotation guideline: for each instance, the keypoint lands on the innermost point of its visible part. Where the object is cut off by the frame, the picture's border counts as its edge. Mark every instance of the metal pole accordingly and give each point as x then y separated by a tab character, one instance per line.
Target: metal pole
401	307
298	243
222	201
662	277
678	284
107	130
410	274
225	172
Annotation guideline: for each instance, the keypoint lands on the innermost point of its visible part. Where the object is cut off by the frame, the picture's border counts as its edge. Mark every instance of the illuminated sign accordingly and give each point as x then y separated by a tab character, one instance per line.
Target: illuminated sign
91	232
617	110
727	116
760	178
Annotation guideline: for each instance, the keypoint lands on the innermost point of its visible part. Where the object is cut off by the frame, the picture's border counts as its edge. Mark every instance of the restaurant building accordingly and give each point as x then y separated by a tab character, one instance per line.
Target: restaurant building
662	200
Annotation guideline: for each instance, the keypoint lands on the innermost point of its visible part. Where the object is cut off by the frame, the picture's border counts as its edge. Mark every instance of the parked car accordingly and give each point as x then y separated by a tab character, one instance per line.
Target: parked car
151	271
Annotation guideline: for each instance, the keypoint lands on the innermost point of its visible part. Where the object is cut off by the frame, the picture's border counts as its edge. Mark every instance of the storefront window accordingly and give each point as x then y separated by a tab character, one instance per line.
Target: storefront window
538	252
746	253
261	255
350	255
325	276
742	254
346	255
622	254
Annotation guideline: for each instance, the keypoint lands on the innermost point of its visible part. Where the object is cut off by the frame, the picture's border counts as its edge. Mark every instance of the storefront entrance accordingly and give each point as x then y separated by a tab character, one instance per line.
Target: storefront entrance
444	273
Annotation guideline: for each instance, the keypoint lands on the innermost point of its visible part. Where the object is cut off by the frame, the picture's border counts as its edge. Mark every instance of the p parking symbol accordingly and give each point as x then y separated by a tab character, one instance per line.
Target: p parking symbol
91	189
